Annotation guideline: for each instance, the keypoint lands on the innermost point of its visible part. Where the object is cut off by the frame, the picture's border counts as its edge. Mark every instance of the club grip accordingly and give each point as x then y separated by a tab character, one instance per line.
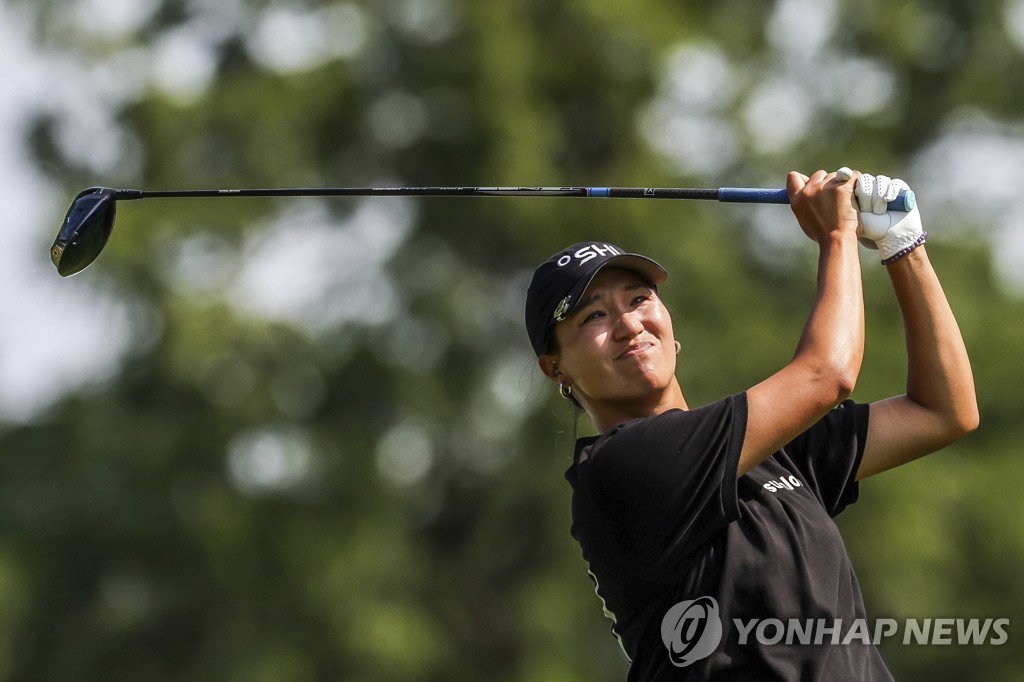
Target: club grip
905	200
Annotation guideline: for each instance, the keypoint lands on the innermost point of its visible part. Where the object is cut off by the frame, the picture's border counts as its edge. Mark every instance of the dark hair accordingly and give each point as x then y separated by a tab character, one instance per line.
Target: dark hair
551	346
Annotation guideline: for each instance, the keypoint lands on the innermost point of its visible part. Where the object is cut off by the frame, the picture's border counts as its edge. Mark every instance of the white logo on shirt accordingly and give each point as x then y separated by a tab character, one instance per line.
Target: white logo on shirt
784	483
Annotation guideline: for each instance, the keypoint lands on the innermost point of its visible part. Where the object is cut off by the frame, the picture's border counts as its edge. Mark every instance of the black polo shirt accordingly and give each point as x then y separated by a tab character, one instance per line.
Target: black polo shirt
662	519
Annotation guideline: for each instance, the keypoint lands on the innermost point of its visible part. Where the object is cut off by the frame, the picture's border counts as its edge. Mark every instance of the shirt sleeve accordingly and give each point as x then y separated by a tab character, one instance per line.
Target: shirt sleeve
669	481
829	453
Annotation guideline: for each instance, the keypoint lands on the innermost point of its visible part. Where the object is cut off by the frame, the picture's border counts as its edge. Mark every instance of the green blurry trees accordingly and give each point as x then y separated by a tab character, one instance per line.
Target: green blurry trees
328	454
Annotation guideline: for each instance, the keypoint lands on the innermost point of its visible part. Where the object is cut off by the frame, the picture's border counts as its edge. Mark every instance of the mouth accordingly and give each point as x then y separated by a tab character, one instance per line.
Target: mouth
636	350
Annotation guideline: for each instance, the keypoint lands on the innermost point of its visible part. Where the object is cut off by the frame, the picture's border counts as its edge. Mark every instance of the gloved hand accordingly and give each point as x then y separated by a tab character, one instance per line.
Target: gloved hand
893	233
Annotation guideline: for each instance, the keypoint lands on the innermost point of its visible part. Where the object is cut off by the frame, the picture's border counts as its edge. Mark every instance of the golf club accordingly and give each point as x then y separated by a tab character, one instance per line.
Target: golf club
90	219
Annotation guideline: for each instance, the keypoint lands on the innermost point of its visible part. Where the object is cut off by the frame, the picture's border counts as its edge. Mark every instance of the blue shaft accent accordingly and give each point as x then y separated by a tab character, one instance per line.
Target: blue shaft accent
598	191
905	201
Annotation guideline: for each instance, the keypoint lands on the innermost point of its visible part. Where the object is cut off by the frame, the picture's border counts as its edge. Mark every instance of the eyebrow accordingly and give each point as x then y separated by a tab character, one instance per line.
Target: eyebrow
595	298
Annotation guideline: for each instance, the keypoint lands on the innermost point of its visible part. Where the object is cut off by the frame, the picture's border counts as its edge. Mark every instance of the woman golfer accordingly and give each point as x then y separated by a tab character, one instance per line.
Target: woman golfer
698	523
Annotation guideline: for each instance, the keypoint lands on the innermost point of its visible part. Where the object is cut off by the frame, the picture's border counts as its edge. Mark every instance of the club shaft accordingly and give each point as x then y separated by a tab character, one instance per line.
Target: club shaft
748	195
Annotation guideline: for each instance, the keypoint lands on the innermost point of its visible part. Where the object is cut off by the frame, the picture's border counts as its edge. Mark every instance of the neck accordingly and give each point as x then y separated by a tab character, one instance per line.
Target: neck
610	414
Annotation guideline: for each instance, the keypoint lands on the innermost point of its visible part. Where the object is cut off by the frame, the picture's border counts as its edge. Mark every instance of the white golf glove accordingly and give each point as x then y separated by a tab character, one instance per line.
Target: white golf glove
893	233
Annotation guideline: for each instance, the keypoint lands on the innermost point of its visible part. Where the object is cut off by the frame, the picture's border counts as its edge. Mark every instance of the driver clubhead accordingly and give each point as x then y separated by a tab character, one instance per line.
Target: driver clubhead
85	230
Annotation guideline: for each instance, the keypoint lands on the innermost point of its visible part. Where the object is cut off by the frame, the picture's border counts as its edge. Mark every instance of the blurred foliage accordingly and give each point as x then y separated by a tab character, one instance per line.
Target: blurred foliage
368	484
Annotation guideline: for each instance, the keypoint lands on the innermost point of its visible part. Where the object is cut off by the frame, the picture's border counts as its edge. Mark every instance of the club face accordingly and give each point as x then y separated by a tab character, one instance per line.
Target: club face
85	230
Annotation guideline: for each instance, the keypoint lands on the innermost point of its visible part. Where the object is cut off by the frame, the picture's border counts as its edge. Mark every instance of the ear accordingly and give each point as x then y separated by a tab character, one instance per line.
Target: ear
549	365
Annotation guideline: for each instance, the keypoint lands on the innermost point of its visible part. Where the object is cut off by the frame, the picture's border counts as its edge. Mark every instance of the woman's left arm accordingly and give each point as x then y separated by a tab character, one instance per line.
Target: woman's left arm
940	405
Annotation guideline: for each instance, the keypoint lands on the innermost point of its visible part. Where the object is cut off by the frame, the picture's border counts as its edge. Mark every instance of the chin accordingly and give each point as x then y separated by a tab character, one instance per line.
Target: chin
642	392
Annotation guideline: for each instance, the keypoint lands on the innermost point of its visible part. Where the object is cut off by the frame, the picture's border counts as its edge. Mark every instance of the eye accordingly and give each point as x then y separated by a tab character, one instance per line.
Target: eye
592	316
642	298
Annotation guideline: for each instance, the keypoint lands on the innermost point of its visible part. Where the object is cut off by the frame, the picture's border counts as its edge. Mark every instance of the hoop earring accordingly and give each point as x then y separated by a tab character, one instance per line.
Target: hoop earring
565	390
679	347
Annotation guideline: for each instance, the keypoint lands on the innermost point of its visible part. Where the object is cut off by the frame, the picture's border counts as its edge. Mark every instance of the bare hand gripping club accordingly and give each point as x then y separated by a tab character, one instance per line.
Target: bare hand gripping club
90	220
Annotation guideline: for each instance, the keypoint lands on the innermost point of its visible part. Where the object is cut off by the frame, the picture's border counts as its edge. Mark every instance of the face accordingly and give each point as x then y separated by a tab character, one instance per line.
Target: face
617	345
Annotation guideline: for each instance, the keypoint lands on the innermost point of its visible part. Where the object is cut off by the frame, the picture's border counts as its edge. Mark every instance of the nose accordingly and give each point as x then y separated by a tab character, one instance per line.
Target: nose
629	326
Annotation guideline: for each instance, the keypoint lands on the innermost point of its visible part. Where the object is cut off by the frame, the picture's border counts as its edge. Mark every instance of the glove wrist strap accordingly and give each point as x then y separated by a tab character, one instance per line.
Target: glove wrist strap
904	251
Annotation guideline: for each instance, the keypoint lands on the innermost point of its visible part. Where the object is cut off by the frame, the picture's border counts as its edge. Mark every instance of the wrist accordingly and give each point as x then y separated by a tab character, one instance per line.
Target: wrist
840	236
909	256
899	248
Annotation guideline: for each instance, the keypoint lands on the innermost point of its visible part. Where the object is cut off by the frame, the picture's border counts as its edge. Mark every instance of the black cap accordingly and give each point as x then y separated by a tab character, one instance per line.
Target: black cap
559	282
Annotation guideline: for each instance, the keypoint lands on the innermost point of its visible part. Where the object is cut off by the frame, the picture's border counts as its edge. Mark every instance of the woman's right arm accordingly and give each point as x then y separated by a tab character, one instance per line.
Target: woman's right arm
828	357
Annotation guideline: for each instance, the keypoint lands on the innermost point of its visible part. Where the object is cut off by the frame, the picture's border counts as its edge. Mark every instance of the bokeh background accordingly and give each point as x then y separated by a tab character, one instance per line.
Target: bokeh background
306	439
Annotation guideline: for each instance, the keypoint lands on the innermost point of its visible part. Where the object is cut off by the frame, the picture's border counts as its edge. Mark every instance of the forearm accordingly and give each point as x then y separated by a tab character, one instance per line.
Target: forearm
833	338
939	376
939	406
827	360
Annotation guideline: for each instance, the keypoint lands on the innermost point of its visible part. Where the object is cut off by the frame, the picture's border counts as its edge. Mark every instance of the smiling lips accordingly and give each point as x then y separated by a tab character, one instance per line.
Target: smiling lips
636	349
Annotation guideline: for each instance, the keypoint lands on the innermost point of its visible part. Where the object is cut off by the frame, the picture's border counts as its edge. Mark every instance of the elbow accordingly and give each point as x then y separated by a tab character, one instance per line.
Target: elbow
838	382
954	431
967	419
961	413
842	371
833	382
959	422
842	375
826	381
843	384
